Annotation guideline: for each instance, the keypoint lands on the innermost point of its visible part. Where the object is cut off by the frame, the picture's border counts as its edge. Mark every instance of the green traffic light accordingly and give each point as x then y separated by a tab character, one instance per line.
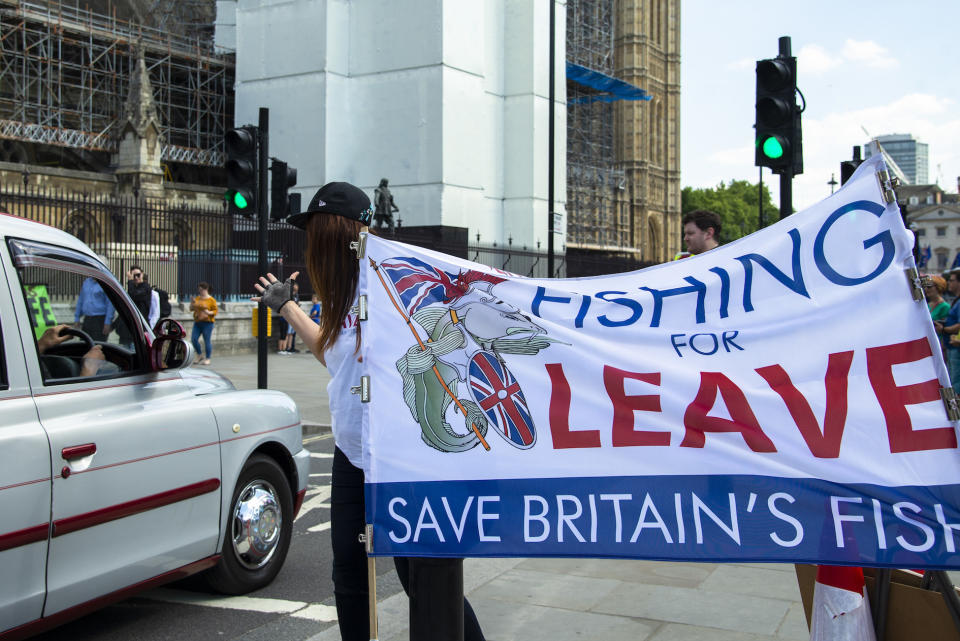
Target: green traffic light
772	148
236	197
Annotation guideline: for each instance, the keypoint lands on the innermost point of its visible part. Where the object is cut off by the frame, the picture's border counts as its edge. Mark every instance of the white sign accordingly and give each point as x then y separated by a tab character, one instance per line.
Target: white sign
774	399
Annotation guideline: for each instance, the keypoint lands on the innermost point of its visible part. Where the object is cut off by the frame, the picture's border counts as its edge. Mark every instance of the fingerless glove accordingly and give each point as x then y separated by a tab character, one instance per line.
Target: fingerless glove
278	294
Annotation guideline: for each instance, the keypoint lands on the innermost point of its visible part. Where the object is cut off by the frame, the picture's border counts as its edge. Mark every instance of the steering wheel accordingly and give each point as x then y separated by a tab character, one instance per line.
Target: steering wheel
82	335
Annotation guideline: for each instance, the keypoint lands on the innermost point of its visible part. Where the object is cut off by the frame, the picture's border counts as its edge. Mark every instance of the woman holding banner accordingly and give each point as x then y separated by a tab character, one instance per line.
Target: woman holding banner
332	221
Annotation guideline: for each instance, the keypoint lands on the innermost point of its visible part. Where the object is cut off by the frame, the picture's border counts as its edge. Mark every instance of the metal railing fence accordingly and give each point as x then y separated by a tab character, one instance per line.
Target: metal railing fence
181	244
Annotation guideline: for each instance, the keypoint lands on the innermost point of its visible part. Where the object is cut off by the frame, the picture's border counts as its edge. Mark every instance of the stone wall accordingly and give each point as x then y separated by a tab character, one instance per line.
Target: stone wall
232	333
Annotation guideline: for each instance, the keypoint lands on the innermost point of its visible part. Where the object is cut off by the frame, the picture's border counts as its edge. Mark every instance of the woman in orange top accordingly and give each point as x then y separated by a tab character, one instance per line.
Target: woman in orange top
204	308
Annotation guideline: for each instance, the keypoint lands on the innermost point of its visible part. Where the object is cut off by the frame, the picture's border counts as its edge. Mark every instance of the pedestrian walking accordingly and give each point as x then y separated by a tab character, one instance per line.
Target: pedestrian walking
204	308
96	310
333	219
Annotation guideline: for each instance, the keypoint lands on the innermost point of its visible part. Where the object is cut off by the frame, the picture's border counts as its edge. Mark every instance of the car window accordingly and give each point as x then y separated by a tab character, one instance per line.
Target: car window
82	327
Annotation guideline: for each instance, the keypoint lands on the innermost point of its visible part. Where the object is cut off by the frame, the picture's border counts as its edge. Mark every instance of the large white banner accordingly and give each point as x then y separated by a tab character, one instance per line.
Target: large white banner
774	399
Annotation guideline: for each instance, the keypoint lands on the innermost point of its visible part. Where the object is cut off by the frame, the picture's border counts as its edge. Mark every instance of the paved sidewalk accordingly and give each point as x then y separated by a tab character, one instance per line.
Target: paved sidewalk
299	375
618	600
567	599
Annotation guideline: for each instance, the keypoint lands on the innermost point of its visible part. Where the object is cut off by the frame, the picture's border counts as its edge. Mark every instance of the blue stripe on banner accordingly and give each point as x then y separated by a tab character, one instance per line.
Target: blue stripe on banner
682	518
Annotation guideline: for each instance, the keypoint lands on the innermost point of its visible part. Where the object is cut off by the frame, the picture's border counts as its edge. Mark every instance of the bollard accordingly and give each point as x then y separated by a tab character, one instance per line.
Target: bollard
436	599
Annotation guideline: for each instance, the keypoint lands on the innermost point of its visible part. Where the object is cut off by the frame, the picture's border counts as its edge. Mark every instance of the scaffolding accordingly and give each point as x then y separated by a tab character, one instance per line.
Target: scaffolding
598	209
65	74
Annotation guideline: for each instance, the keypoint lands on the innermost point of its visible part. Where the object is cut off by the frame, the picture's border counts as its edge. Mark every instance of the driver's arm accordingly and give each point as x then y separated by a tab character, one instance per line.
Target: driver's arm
92	361
51	337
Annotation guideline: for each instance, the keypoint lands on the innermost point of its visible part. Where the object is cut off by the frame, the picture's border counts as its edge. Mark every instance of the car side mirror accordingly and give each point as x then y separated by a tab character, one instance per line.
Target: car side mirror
169	328
168	352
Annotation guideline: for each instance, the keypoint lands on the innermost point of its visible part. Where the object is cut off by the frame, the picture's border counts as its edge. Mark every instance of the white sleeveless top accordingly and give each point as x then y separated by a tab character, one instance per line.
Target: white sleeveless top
345	410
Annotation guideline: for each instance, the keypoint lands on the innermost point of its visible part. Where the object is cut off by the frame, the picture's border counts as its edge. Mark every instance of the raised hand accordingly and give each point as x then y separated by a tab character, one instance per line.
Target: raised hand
274	293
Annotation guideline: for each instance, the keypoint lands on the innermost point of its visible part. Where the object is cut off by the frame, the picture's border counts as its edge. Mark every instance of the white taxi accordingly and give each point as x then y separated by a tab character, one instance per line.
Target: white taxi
121	467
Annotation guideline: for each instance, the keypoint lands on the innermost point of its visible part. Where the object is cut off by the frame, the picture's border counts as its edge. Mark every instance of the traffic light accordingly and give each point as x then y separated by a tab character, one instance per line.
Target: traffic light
242	147
282	178
847	167
778	133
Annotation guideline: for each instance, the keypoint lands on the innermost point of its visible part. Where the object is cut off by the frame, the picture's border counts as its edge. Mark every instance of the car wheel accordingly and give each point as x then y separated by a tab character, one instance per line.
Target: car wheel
259	529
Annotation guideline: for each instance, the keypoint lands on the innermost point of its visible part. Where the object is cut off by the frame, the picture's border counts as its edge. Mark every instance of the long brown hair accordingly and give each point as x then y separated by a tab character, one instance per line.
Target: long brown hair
334	270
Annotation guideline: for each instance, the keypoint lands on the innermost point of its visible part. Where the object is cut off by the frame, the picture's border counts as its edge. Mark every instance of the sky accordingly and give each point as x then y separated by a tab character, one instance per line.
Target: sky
884	67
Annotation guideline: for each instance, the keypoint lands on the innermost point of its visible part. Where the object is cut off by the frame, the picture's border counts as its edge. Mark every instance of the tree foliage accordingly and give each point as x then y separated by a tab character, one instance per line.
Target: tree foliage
735	202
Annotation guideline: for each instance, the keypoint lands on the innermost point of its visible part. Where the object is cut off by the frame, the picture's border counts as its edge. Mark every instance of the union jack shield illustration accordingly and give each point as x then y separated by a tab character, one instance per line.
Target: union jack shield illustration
498	394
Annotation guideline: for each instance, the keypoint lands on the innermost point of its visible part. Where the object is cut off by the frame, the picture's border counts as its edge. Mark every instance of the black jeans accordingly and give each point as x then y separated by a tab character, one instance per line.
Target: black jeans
93	325
350	558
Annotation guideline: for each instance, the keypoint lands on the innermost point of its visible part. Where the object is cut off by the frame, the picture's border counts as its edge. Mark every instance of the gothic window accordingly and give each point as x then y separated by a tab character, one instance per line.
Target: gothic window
653	237
661	135
182	234
658	21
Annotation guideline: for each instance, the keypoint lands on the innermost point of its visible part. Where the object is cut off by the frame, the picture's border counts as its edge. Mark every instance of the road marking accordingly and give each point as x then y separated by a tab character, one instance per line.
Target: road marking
299	609
320	455
318	498
317	612
320	474
319	527
320	437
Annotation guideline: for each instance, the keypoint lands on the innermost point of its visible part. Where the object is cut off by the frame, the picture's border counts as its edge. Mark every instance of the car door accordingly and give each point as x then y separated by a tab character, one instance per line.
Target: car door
136	455
24	479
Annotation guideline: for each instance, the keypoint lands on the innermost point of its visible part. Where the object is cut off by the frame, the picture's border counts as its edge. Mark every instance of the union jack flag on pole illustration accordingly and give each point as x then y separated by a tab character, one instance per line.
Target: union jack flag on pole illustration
419	284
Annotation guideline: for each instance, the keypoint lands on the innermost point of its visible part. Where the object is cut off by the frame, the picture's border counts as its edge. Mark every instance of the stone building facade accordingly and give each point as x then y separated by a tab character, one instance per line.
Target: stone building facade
623	151
137	174
647	55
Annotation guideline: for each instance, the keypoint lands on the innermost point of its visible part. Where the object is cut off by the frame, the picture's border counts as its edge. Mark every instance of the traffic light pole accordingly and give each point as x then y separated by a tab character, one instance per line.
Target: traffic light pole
786	177
263	216
550	134
760	220
786	193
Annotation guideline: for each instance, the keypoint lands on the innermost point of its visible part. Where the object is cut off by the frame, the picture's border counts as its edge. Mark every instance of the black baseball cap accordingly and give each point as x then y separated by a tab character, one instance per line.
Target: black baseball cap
342	199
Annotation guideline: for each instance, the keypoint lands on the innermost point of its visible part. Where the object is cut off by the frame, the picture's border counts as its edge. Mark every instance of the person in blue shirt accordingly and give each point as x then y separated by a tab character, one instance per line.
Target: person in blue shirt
315	309
95	308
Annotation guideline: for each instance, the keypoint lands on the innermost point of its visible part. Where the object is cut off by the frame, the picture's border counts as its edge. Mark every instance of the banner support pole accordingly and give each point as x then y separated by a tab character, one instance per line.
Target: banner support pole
372	596
366	537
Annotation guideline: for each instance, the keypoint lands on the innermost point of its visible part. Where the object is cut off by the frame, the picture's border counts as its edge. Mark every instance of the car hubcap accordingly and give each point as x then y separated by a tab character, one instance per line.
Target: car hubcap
257	522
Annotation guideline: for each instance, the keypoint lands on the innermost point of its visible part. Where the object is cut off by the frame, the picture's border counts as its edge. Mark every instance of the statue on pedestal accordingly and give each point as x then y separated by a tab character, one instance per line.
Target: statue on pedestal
383	206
